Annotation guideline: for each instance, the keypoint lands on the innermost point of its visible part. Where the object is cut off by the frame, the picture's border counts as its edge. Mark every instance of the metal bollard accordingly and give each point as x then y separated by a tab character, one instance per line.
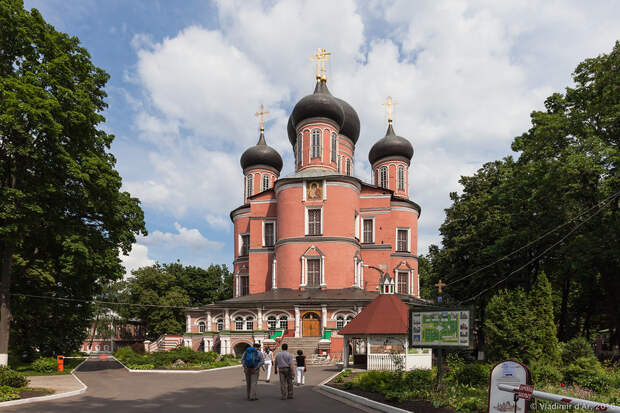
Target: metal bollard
61	363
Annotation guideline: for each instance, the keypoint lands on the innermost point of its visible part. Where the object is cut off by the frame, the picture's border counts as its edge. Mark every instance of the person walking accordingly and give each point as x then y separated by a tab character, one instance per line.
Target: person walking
284	365
268	356
301	367
252	360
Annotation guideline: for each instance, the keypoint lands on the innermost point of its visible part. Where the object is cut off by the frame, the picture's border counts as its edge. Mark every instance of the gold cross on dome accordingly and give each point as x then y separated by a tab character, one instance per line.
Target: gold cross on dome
261	115
320	57
440	285
390	107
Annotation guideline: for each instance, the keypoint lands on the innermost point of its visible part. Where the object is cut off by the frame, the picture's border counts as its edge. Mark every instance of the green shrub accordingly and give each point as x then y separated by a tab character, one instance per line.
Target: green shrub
140	366
339	379
12	378
8	393
346	372
138	348
418	379
544	373
45	365
587	372
473	374
575	348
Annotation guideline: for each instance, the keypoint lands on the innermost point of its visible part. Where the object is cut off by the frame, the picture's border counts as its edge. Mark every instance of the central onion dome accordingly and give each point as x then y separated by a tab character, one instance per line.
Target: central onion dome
261	154
321	104
390	145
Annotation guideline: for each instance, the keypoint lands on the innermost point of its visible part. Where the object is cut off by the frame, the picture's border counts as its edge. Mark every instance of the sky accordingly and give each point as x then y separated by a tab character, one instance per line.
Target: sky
187	78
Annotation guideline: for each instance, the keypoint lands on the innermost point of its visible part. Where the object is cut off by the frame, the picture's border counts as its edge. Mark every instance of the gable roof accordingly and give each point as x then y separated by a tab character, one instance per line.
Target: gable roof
386	314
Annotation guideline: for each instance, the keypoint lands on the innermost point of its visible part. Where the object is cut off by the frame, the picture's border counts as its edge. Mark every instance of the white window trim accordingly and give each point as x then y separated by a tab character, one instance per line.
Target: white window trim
398	169
274	265
357	226
249	185
240	244
374	234
307	224
408	239
387	176
311	147
303	272
269	221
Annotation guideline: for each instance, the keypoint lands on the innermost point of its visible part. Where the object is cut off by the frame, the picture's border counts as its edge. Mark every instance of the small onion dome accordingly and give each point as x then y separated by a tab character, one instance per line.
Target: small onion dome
261	154
351	126
290	129
320	104
390	145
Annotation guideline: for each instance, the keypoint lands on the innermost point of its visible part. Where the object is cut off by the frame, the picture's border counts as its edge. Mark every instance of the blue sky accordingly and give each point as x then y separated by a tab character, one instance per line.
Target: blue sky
187	77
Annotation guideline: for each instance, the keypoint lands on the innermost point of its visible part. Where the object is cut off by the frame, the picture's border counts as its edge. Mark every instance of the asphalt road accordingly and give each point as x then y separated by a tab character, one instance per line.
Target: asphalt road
112	389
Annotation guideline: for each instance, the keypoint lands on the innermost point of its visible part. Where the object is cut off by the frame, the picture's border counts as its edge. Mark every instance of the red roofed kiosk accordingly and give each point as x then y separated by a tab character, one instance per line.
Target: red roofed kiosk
379	337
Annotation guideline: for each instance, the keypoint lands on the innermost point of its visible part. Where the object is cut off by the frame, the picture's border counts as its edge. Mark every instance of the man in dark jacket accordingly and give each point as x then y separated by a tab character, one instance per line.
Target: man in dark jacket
252	360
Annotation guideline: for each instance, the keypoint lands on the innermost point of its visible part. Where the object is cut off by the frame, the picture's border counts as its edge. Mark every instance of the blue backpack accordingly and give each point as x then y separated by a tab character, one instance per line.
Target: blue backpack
251	358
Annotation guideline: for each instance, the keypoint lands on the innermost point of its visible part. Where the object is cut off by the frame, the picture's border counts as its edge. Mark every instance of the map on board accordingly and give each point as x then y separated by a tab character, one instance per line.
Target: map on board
440	328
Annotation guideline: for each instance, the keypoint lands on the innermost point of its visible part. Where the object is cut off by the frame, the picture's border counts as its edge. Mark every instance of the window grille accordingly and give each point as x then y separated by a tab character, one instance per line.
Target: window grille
239	323
368	235
284	322
334	147
272	322
201	327
314	222
245	245
402	240
316	143
401	178
244	285
269	234
383	177
314	272
348	167
403	283
250	185
265	182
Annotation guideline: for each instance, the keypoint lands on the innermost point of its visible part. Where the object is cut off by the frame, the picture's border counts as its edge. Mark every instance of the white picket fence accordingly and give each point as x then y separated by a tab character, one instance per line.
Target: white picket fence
411	361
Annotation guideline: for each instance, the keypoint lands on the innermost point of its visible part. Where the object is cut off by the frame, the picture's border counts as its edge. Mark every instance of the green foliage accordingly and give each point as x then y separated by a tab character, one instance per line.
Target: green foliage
45	365
575	348
12	378
418	379
346	373
544	373
587	372
145	366
473	374
173	285
63	216
166	359
543	333
8	393
564	166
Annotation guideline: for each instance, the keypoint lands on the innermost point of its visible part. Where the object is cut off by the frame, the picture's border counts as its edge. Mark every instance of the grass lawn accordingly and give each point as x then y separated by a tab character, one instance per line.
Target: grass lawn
26	368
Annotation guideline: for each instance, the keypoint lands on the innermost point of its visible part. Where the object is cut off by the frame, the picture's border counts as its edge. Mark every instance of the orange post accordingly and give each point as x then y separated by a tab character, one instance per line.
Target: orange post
61	363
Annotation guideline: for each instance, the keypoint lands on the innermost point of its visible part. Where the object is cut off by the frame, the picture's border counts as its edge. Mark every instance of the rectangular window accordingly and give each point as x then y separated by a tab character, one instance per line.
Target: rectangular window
314	272
333	147
249	185
284	322
401	178
368	233
403	282
245	245
300	144
316	143
402	240
314	222
220	325
244	285
239	323
271	322
269	234
349	167
265	182
249	324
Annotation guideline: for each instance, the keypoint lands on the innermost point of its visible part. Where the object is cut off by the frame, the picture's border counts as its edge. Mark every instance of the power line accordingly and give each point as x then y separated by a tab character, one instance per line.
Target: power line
533	259
80	300
536	240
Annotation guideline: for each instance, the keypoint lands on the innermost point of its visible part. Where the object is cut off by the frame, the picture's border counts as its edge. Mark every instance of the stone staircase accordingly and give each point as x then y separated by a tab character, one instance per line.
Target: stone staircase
309	345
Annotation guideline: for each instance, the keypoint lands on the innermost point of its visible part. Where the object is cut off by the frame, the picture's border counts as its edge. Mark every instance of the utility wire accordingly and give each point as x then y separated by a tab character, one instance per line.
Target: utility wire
536	240
79	300
533	259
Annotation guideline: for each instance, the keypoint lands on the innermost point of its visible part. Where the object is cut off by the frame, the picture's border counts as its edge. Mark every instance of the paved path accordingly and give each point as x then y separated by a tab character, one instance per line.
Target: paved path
111	388
60	384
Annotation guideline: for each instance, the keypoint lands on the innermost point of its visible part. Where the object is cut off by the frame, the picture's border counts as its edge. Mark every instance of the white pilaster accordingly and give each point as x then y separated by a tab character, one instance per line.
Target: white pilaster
323	318
260	318
323	272
209	320
297	322
226	321
274	284
188	323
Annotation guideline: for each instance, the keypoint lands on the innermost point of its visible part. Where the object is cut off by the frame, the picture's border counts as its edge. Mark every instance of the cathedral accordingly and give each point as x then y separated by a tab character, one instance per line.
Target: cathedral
312	249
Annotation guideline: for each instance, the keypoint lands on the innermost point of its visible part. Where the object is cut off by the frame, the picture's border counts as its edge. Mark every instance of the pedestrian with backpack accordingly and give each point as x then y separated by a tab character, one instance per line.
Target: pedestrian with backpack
252	360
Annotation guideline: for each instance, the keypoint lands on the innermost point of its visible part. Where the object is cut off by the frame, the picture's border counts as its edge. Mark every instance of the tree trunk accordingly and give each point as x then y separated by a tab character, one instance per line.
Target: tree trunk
5	304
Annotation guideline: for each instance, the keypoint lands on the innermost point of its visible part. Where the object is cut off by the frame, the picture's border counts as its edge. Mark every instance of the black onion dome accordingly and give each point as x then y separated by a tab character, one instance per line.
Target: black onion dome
390	145
319	104
290	129
261	154
351	126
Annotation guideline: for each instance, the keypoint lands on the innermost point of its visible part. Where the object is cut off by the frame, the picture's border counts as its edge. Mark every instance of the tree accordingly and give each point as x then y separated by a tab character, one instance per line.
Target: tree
174	287
543	210
63	218
543	330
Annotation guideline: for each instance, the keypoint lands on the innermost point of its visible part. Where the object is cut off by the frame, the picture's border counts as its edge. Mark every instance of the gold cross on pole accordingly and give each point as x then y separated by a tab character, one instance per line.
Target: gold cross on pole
390	107
440	285
320	57
261	115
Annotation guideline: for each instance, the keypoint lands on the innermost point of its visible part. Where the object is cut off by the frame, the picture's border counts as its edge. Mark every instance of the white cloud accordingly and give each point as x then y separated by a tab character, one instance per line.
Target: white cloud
138	257
219	222
184	237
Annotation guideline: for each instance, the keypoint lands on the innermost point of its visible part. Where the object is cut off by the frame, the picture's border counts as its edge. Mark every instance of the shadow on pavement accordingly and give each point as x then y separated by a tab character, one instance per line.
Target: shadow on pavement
98	365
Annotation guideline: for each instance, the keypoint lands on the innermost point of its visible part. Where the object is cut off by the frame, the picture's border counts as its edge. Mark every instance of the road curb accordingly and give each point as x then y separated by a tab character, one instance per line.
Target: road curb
51	396
173	371
359	399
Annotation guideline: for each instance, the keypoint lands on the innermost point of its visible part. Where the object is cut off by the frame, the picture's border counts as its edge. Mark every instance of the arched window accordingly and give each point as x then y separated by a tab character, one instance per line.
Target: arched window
339	322
239	323
284	322
220	324
334	143
272	322
348	167
249	185
202	326
300	145
339	164
401	178
348	320
383	177
265	182
249	323
316	143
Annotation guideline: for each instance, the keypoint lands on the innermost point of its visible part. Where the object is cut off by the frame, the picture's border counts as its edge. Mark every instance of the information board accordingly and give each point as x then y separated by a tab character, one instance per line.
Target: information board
512	373
449	327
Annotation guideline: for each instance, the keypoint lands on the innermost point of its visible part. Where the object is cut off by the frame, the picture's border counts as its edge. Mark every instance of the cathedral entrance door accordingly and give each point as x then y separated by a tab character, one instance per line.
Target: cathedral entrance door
311	325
